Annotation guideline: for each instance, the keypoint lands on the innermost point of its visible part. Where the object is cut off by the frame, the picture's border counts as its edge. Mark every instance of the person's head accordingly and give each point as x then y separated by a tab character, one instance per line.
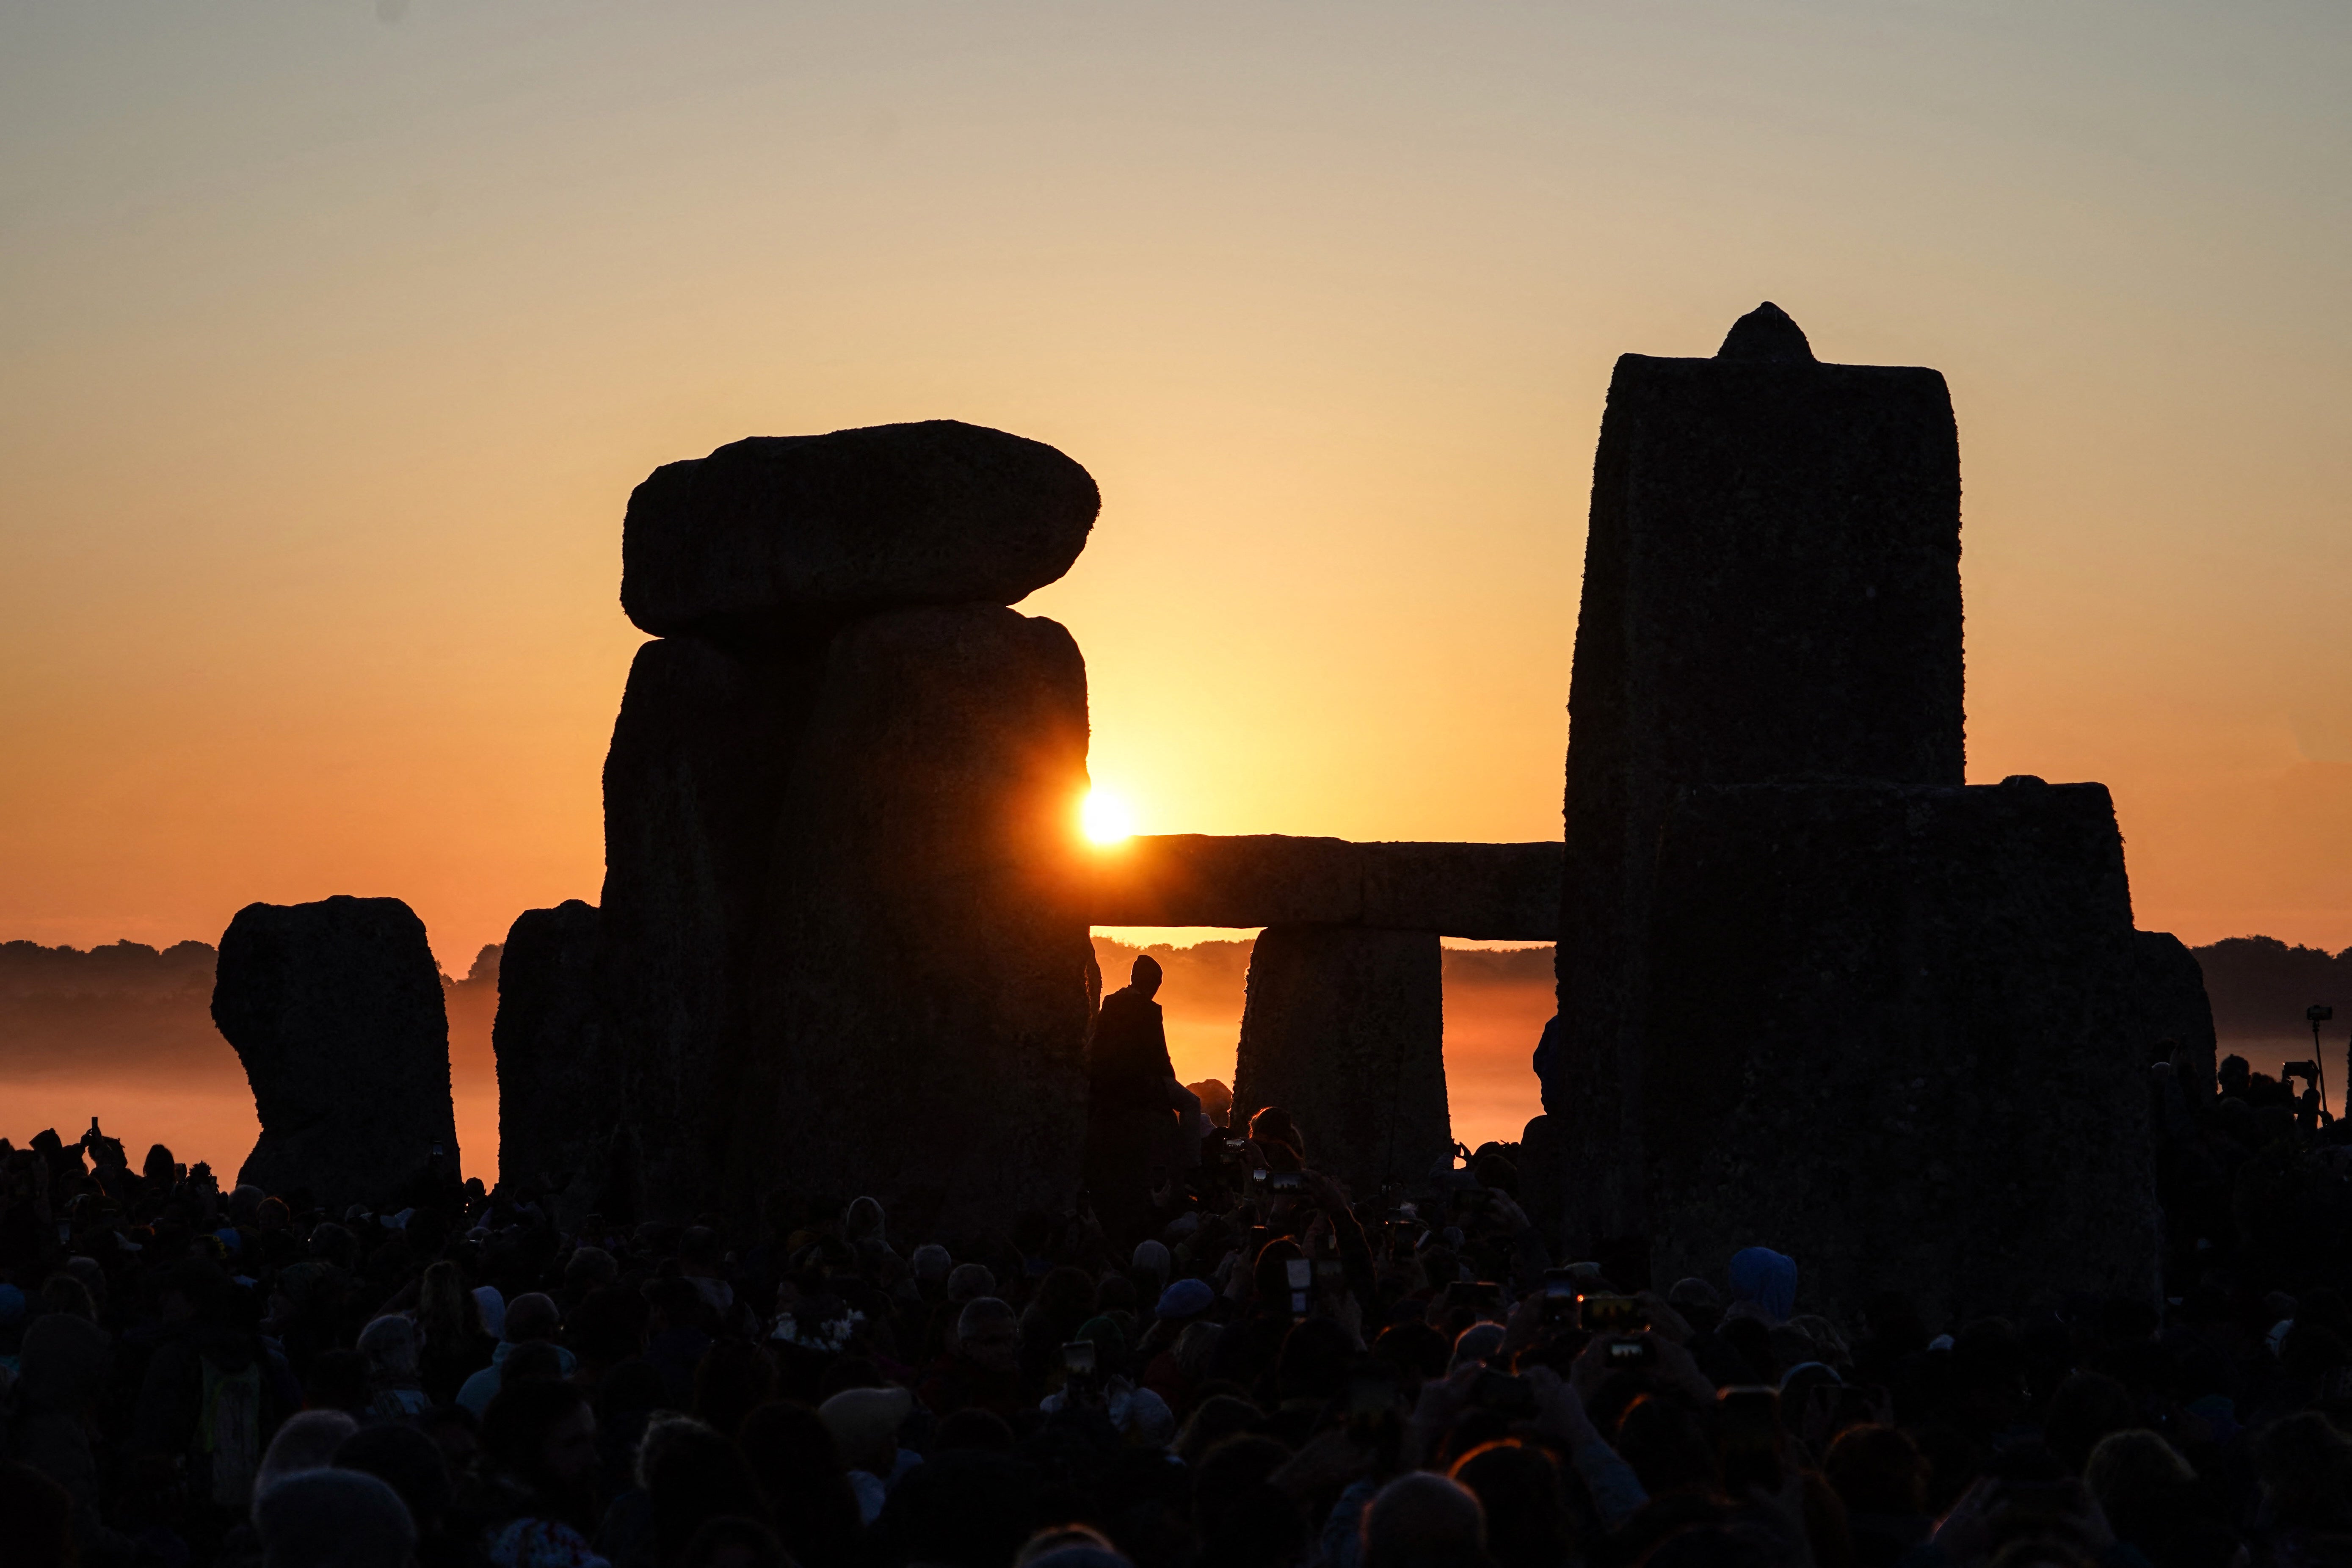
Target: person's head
1518	1489
862	1221
1144	976
865	1425
1765	1279
989	1334
590	1269
333	1519
800	1472
61	1292
931	1264
533	1361
543	1433
39	1515
1878	1470
734	1378
696	1476
1212	1421
2305	1468
444	1307
1667	1444
1423	1520
532	1316
406	1460
389	1344
968	1282
732	1540
2137	1479
1244	1517
1069	1546
1272	1125
307	1441
2086	1407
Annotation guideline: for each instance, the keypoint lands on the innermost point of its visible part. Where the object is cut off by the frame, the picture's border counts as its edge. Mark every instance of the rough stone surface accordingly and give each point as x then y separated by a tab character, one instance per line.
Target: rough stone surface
1490	891
1345	1028
2174	1006
918	1025
1933	1082
335	1009
1771	588
557	1098
778	526
692	785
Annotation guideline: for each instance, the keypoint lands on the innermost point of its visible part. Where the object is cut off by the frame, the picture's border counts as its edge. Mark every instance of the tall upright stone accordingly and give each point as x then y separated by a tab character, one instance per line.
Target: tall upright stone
2172	1003
1344	1028
335	1009
841	943
919	1010
1771	588
1934	1080
557	1099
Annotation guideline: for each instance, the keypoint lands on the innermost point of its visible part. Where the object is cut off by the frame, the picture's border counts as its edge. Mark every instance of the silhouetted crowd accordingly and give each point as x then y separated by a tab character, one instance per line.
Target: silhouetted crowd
1266	1370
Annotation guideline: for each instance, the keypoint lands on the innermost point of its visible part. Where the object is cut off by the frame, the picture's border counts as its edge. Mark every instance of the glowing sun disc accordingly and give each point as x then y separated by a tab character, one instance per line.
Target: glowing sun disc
1104	818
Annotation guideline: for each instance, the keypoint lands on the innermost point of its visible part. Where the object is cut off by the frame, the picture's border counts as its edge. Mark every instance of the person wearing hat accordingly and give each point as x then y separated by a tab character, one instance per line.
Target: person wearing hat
865	1425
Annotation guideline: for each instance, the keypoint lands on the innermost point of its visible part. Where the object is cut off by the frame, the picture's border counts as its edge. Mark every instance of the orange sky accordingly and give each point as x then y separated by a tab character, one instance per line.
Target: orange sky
336	336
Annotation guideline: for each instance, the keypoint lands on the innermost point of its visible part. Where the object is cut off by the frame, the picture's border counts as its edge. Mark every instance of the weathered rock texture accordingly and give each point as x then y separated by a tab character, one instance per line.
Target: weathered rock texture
1771	588
557	1098
335	1009
1344	1028
1937	1084
1491	891
777	526
841	945
2173	1005
918	1014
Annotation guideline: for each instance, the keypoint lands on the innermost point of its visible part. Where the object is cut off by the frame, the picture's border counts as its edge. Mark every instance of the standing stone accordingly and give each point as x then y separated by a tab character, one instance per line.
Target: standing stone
936	512
692	789
2173	1006
557	1100
1771	588
917	1013
335	1009
1345	1028
1933	1082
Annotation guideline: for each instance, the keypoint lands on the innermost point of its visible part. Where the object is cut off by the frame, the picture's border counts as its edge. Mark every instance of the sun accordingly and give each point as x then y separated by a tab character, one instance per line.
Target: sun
1105	818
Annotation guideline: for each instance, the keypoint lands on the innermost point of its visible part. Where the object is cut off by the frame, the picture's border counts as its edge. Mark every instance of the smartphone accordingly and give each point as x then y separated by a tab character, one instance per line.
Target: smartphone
1560	1297
1605	1314
1078	1358
1503	1393
1747	1438
1481	1296
1632	1353
1328	1271
1236	1146
1283	1181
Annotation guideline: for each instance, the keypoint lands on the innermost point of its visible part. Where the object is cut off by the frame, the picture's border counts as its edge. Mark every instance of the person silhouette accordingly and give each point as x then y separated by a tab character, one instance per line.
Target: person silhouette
1131	1090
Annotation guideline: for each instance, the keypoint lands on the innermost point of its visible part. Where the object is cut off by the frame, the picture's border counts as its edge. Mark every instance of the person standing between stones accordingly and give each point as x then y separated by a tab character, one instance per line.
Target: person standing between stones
1130	1088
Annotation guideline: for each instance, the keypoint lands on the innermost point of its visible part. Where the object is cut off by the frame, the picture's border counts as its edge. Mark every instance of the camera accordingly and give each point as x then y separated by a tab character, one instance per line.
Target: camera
1078	1359
1605	1314
1632	1353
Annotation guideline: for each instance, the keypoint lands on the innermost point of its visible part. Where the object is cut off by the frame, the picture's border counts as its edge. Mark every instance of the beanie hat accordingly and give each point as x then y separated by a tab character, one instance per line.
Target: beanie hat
1185	1298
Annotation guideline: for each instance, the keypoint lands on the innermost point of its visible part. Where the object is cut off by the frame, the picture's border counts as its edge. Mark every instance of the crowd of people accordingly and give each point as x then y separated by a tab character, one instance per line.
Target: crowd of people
1266	1370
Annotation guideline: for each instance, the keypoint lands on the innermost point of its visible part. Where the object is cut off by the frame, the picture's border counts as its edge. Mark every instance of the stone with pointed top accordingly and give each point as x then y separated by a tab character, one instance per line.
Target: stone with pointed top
1766	333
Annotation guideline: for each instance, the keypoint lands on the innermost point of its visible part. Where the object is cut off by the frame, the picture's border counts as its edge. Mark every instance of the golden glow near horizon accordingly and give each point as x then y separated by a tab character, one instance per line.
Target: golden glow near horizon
336	337
1105	818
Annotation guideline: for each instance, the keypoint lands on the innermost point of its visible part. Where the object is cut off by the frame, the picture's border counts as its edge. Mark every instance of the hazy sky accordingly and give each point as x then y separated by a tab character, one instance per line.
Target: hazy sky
332	337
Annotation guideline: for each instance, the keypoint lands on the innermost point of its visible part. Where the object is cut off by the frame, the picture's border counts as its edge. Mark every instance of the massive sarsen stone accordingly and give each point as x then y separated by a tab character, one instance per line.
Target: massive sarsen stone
557	1098
1771	588
335	1009
2170	994
1932	1081
1345	1028
781	526
916	1016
